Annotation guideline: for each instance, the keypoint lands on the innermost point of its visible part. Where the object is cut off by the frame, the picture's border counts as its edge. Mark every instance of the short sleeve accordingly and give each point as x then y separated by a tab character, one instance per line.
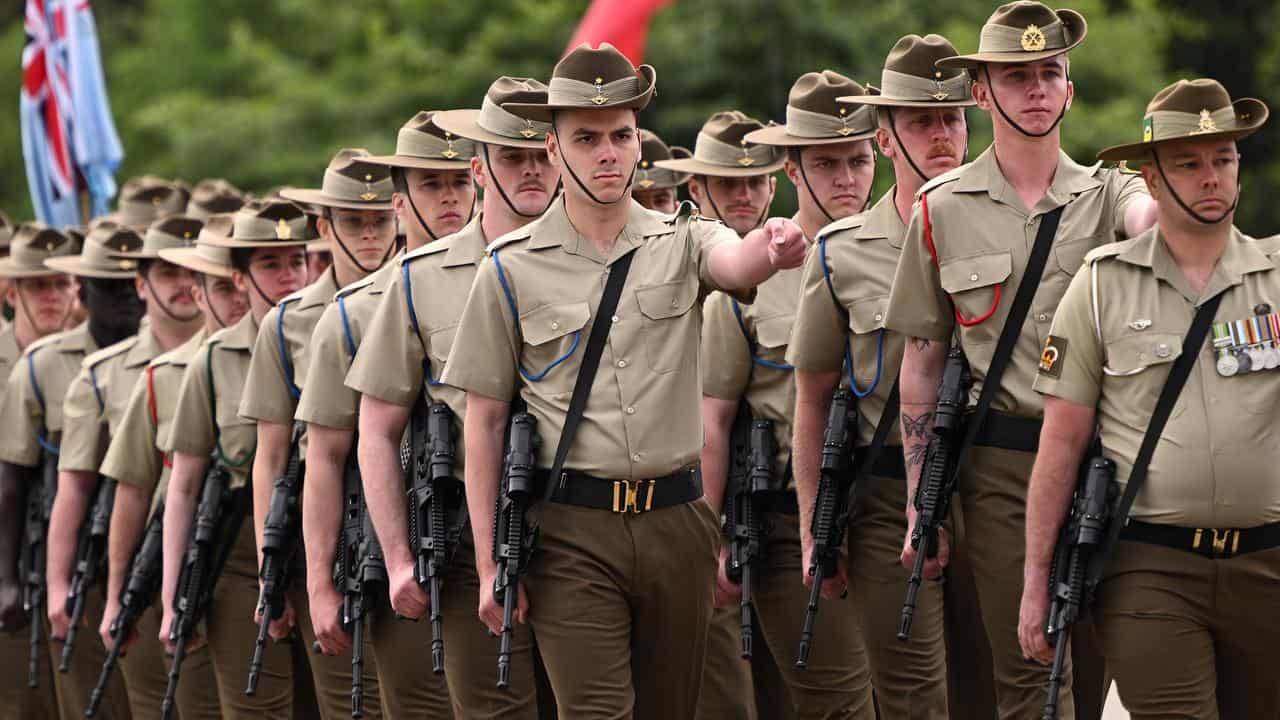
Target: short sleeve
1071	364
726	356
392	373
266	388
326	400
1125	188
486	349
918	307
819	338
23	418
192	430
83	426
132	457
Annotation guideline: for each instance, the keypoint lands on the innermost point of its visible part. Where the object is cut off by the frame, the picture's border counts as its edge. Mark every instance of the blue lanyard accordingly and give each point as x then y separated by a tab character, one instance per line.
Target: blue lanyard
515	316
848	348
413	318
737	312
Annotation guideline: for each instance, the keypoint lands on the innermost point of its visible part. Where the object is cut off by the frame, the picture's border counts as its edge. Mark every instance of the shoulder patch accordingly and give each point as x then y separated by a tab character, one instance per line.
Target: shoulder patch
96	358
1055	350
946	177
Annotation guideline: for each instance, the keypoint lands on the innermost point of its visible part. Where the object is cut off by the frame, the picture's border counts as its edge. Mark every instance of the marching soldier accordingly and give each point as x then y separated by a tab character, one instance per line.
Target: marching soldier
968	247
619	591
655	187
41	299
268	262
356	218
917	120
1184	607
414	327
434	198
141	472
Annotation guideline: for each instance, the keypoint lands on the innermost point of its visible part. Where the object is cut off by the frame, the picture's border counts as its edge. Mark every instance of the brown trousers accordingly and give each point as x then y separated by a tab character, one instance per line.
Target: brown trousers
331	674
75	685
736	688
1190	637
146	675
971	685
17	701
620	605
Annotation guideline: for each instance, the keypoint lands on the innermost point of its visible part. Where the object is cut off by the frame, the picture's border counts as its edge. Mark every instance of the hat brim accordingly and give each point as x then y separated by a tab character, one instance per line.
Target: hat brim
320	246
74	265
542	112
319	197
465	124
190	259
698	167
1251	107
417	163
12	271
672	181
1074	22
777	136
889	102
234	244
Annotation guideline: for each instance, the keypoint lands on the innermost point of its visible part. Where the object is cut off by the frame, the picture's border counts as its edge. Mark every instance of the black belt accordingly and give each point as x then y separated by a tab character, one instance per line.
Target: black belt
634	496
1212	543
1009	432
887	464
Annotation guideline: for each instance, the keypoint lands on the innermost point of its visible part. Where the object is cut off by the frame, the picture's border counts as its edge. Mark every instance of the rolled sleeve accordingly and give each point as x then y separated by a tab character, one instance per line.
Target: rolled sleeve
392	373
23	418
83	427
266	389
132	457
326	400
486	348
192	430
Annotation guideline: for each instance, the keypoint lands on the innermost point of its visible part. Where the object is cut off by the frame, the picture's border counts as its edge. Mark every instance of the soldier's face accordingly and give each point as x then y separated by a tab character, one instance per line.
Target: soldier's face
170	285
222	304
444	198
1204	174
277	272
663	199
739	202
367	234
934	139
526	176
44	302
838	176
602	147
1032	94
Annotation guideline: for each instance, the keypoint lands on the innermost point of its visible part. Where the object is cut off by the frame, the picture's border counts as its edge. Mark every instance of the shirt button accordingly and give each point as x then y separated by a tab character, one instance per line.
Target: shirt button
555	326
973	277
1163	350
674	303
631	411
622	363
1042	317
614	318
879	317
636	457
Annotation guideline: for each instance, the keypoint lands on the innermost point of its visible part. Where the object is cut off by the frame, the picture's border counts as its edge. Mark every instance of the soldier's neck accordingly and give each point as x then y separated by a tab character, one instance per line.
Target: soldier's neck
170	333
811	220
599	224
1027	163
496	219
345	273
1196	249
24	332
907	184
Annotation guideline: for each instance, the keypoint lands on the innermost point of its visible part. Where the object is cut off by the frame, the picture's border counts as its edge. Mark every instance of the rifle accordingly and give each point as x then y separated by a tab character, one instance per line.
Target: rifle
217	525
513	542
938	475
359	572
281	532
744	520
437	508
831	506
91	555
32	563
1079	544
140	589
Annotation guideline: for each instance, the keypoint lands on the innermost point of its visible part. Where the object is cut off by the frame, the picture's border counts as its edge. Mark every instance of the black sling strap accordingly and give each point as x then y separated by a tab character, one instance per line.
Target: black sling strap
1012	327
1178	375
887	418
590	362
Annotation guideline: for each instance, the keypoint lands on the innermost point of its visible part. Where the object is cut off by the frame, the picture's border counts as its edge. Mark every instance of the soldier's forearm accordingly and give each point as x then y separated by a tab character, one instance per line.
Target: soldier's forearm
322	499
128	519
923	361
269	460
13	496
179	509
483	432
742	265
813	402
381	426
75	492
717	425
1064	435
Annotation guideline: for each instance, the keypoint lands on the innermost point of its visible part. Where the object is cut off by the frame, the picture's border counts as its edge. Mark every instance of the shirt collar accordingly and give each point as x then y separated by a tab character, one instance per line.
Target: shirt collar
984	175
882	222
554	229
466	247
242	335
144	350
1240	257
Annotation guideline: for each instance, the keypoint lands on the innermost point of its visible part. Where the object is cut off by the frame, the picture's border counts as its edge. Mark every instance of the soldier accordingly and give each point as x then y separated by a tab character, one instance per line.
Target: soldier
42	298
917	120
414	327
434	197
268	260
356	218
655	188
1183	609
141	472
644	571
92	411
968	246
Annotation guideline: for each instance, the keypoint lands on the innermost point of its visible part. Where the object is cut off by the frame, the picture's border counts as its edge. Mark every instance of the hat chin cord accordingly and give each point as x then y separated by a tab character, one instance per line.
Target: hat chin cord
893	128
996	101
626	194
22	303
151	293
204	286
249	273
488	164
1187	208
333	228
408	194
720	216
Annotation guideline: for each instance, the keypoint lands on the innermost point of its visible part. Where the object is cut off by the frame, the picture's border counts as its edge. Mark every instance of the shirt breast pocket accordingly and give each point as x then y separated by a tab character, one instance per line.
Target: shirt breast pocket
974	283
1137	367
866	321
669	326
773	335
439	343
552	333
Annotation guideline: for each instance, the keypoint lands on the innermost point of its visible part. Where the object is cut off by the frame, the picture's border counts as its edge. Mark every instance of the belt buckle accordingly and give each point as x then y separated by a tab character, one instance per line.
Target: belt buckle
626	496
1220	540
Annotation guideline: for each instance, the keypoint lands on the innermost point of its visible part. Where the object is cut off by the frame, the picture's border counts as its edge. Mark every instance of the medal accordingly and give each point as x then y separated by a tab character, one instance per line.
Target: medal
1244	360
1227	365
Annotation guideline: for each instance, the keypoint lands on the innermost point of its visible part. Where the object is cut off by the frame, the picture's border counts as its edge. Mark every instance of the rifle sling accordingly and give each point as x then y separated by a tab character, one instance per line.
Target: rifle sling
868	458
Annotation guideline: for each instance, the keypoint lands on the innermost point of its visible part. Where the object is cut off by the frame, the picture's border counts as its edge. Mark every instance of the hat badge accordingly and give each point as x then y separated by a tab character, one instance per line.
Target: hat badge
283	231
449	153
600	97
746	160
50	246
845	130
1206	124
1033	39
941	94
528	132
368	195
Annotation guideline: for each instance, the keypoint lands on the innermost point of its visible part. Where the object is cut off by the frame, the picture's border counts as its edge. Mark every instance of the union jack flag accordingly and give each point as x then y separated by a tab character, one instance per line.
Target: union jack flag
69	141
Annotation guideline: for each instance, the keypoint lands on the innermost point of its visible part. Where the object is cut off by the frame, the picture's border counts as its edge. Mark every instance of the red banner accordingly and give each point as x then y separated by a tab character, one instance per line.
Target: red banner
622	23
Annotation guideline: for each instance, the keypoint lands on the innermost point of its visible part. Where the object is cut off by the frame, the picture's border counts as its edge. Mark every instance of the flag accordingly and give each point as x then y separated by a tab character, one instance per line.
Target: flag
622	23
69	140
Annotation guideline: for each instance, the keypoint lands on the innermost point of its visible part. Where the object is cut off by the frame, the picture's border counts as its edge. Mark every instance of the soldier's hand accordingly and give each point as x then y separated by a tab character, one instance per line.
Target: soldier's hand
326	618
283	625
12	616
933	566
166	622
407	597
491	606
833	587
1032	619
786	243
727	591
104	628
59	620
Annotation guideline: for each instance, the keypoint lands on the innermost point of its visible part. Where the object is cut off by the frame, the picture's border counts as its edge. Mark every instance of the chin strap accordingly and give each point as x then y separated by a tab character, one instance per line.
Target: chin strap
204	285
1186	208
333	228
408	194
996	100
22	304
503	193
257	289
151	292
893	128
626	194
706	188
805	177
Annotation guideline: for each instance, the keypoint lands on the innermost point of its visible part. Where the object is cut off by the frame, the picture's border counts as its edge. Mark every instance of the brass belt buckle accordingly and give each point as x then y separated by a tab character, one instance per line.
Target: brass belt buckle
626	496
1220	540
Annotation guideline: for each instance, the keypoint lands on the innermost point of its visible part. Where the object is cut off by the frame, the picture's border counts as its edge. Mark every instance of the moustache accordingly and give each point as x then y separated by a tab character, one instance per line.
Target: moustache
941	149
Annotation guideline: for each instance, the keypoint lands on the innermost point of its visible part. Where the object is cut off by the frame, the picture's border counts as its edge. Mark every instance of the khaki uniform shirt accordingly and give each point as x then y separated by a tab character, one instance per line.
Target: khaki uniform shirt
1217	459
134	458
440	277
9	351
200	426
97	398
642	419
267	396
983	236
29	411
729	371
333	346
861	254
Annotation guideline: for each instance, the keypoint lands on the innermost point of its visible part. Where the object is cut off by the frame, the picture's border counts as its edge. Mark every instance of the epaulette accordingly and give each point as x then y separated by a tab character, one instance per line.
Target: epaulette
96	358
353	287
522	233
292	297
1270	246
852	222
45	341
949	176
166	358
431	248
1106	251
1123	167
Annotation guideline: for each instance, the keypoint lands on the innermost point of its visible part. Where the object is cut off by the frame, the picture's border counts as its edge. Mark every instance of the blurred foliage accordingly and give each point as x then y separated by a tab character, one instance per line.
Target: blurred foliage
262	93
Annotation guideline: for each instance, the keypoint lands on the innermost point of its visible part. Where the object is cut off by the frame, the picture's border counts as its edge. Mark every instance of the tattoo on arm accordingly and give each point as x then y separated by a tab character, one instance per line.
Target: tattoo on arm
915	455
914	426
920	343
